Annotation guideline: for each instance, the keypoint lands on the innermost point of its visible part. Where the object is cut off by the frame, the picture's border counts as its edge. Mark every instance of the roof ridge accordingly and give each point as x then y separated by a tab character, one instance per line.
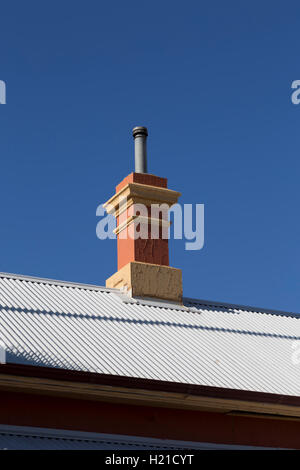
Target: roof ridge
186	300
44	280
249	308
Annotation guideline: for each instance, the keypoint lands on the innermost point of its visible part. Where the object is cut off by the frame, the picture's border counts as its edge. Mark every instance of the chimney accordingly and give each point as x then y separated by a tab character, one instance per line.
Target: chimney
140	135
143	261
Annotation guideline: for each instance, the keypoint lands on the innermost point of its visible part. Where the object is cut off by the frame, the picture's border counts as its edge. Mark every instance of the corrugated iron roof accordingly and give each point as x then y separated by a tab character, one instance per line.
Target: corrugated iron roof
89	328
30	438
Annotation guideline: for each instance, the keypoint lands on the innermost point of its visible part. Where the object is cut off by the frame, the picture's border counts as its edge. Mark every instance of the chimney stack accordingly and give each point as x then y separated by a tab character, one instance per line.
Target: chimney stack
143	261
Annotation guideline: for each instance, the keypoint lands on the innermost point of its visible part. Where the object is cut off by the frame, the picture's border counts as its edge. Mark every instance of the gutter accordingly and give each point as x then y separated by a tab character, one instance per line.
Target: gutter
140	391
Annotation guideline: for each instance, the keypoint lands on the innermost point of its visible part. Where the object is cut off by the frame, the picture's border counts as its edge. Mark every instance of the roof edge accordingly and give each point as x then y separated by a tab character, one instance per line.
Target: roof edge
135	383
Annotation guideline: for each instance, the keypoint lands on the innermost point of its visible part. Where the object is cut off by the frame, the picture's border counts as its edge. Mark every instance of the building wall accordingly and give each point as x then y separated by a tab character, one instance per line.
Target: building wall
20	409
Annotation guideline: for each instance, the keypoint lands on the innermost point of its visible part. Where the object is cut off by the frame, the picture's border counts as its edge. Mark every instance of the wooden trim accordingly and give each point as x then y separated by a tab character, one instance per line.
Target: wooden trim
245	414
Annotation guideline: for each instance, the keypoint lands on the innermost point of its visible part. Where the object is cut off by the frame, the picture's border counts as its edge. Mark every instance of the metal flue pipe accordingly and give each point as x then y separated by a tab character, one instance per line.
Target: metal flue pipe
140	149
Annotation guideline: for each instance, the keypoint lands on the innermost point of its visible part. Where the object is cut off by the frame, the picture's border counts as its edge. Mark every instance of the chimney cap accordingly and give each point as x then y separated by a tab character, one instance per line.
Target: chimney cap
139	130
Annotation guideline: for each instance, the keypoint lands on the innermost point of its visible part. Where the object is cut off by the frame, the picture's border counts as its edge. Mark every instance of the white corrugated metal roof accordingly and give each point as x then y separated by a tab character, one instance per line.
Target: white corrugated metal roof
89	328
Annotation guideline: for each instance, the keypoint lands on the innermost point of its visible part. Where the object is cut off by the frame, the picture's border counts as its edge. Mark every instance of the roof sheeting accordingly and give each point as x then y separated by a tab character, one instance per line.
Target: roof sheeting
29	438
88	328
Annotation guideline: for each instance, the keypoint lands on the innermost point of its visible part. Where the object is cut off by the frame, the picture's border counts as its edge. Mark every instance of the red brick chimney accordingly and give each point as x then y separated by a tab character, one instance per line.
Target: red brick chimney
143	261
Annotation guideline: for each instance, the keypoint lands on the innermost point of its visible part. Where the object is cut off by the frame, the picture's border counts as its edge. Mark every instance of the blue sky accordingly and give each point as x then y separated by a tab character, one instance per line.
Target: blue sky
211	81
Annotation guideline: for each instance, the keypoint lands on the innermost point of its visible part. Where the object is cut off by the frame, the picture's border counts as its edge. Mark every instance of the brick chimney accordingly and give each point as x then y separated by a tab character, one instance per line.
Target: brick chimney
143	261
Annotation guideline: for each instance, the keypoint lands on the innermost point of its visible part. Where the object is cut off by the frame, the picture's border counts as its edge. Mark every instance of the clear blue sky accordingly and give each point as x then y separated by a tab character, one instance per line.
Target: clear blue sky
211	80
